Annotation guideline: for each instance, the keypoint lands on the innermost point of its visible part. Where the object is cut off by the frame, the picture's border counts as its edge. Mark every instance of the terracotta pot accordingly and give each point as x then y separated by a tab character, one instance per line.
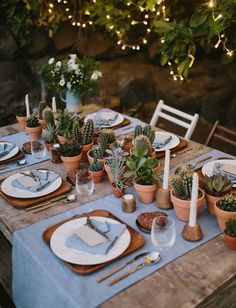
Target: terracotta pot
21	122
182	207
34	132
210	200
85	150
108	171
230	241
146	193
223	216
62	139
97	175
42	123
158	168
71	163
117	193
91	159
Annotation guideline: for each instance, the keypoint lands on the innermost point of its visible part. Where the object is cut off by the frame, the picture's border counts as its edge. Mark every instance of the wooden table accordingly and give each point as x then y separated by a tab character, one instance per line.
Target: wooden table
204	277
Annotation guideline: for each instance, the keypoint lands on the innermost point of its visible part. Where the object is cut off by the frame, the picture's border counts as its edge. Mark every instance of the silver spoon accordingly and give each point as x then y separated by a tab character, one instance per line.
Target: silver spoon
71	198
21	162
193	165
151	259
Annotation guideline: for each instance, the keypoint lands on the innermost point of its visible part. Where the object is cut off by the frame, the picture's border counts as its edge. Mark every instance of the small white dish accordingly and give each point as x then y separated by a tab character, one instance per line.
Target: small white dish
170	145
11	191
106	115
12	153
62	233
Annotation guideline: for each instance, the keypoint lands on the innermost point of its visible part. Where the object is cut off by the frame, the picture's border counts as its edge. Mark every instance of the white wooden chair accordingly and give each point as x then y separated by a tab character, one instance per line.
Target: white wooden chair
190	124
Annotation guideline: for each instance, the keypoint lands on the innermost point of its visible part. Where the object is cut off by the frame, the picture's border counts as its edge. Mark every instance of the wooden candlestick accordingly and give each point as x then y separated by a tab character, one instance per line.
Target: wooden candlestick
128	203
192	234
163	199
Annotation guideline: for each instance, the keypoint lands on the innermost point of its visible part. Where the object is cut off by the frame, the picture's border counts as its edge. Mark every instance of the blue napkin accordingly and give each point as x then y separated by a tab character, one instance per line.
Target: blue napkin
5	148
158	144
45	179
217	171
101	121
113	233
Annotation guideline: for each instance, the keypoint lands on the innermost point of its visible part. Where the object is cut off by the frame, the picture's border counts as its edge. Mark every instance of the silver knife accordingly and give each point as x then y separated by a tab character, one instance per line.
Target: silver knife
46	203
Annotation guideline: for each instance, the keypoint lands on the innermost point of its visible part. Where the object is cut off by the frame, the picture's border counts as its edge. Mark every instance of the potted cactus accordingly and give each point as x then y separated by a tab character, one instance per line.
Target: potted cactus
97	171
142	168
33	127
70	153
215	187
87	138
50	136
42	106
181	191
146	131
230	234
225	208
64	128
21	116
48	117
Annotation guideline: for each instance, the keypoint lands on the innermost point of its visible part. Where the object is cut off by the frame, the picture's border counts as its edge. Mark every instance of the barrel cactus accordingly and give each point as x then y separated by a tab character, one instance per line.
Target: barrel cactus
48	116
32	121
227	203
107	136
76	133
182	183
96	165
87	133
142	143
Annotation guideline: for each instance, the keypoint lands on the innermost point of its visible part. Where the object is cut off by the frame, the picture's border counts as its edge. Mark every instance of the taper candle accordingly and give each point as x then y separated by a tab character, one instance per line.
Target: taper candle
54	105
166	170
193	203
27	106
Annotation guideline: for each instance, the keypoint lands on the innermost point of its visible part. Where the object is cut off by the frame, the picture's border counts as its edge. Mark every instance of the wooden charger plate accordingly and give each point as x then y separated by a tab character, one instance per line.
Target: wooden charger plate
20	203
137	241
183	144
19	155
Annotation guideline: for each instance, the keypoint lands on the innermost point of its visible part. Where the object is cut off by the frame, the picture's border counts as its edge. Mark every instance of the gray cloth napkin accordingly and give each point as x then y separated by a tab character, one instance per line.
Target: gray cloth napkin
218	171
46	178
5	148
101	121
158	144
114	232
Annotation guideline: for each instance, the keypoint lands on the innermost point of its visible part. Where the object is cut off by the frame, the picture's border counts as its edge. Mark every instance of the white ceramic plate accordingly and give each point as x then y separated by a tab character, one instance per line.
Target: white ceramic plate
76	256
170	145
106	114
11	191
12	153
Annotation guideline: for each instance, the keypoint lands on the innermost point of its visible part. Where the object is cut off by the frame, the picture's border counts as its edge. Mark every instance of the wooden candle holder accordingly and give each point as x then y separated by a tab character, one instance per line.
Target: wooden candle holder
128	203
163	199
192	234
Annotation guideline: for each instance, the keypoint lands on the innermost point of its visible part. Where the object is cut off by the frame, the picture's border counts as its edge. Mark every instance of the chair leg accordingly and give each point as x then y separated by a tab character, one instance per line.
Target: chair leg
212	133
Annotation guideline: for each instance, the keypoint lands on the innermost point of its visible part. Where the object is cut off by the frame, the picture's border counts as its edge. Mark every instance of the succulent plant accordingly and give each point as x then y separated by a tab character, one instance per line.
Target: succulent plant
116	152
65	123
32	121
138	130
42	106
217	185
98	152
117	168
182	183
48	116
96	165
20	111
76	133
107	136
70	148
227	203
142	143
50	136
230	229
147	131
87	132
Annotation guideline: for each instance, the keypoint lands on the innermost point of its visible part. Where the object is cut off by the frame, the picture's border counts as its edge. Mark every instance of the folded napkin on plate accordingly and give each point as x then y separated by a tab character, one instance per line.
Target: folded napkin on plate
5	149
27	183
102	248
105	118
161	142
218	169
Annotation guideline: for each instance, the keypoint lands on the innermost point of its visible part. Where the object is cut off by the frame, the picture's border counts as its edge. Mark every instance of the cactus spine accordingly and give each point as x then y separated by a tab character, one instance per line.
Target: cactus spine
76	131
142	143
87	132
98	152
96	165
48	116
107	136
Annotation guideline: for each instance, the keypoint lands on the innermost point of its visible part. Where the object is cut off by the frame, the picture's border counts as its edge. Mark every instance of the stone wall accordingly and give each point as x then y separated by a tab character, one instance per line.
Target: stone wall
130	80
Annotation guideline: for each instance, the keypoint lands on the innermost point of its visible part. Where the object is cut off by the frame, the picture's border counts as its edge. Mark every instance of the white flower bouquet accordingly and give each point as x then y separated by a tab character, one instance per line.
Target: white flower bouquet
71	73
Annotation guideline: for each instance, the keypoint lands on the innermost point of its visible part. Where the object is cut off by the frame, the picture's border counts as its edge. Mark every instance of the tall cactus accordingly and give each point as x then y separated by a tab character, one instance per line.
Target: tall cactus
142	143
76	133
42	106
48	116
87	132
149	132
138	131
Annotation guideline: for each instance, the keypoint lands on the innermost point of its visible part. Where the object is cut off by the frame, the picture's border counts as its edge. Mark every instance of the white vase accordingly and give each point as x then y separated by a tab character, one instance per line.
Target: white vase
73	101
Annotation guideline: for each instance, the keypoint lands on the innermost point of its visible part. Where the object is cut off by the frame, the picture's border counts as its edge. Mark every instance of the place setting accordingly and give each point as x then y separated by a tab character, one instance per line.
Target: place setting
9	154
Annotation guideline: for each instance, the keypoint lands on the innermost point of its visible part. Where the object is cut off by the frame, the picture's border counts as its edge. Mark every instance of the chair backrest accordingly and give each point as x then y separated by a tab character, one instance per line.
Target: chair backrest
190	124
217	131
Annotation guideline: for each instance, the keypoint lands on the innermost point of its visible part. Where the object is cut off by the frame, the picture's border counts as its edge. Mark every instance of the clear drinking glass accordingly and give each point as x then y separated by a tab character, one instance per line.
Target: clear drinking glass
84	183
163	232
38	149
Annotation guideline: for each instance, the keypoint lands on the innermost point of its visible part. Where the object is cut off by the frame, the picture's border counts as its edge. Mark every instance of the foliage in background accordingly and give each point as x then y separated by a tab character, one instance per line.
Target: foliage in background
179	28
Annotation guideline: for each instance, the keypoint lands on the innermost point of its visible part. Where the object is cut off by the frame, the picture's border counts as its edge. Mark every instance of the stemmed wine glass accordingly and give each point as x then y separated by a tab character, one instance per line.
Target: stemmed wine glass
84	183
163	233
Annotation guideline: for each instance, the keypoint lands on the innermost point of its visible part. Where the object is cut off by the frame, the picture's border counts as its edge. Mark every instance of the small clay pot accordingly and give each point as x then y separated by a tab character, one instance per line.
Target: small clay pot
230	241
71	163
62	139
146	193
97	175
85	150
108	171
22	122
117	193
223	216
210	201
34	132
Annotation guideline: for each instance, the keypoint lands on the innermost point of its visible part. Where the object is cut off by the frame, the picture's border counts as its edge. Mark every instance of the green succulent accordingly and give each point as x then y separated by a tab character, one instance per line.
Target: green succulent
96	165
70	148
87	134
20	111
182	183
230	229
32	121
65	124
50	136
117	168
142	143
217	185
147	131
227	203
